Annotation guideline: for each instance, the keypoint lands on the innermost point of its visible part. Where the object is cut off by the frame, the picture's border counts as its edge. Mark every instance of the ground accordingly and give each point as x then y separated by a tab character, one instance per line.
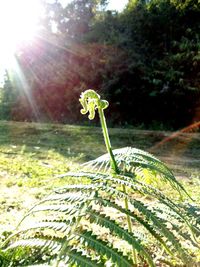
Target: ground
33	155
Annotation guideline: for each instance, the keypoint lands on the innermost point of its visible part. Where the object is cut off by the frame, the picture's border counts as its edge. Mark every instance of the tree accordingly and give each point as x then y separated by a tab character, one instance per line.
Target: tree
8	97
149	54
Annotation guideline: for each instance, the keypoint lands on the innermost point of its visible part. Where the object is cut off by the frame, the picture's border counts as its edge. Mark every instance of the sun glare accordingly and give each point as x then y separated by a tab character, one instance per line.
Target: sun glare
18	23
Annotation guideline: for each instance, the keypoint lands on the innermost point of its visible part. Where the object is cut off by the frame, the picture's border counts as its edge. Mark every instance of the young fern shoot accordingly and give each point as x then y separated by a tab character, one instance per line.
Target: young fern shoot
91	102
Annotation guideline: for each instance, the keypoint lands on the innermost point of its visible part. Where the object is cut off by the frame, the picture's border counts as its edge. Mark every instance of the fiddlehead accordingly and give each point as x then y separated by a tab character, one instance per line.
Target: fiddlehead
90	102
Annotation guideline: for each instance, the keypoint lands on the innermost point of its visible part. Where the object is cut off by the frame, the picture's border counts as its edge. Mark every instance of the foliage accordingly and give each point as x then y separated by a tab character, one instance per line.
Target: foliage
160	73
114	219
7	98
156	71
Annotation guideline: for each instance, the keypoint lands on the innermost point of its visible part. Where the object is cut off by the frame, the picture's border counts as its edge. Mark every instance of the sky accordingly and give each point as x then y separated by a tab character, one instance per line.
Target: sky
113	4
117	4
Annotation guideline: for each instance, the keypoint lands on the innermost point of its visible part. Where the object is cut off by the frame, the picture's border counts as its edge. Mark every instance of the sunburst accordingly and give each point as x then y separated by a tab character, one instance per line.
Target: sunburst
18	24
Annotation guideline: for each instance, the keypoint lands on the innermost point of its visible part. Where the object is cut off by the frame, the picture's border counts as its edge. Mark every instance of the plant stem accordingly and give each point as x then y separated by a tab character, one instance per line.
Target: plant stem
107	141
129	225
116	170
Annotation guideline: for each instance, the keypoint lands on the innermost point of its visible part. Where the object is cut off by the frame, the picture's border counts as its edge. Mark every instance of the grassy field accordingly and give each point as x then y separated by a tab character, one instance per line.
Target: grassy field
32	156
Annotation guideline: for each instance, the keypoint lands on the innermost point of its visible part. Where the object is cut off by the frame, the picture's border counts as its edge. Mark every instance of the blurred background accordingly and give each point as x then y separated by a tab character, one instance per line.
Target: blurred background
142	56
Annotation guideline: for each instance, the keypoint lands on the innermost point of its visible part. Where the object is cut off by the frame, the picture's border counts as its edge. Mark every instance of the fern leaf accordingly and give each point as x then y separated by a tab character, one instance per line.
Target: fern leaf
106	221
128	158
171	238
134	184
77	257
33	242
104	248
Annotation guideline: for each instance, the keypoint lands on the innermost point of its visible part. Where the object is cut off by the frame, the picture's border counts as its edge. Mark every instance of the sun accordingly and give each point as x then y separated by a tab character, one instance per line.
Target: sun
18	23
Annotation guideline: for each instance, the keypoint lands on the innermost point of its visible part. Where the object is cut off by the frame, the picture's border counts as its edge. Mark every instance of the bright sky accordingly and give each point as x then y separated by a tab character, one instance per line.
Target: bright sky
18	24
117	4
113	4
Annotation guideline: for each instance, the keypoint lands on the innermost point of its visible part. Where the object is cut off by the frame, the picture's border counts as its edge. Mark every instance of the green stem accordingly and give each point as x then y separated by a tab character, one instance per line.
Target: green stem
129	225
116	170
107	141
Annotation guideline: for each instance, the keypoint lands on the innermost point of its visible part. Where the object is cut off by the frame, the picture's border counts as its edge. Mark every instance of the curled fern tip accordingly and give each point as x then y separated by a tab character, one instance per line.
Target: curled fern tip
91	101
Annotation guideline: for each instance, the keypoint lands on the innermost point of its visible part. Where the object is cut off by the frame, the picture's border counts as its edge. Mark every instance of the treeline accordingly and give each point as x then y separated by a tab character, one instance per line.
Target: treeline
144	60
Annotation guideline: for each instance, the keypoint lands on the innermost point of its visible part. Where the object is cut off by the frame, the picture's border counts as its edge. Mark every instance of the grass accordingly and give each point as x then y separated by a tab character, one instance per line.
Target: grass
33	155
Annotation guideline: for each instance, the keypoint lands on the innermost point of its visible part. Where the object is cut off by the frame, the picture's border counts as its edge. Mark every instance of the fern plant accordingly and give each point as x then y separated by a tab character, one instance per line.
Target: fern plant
116	219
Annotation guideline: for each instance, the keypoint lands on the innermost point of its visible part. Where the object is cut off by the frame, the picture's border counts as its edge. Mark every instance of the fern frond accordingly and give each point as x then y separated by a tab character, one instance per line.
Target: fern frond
150	227
129	158
132	183
79	259
115	228
104	248
64	195
89	201
136	186
33	243
52	225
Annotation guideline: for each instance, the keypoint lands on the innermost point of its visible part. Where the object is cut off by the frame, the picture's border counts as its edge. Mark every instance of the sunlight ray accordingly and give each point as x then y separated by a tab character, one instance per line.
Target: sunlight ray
25	88
18	24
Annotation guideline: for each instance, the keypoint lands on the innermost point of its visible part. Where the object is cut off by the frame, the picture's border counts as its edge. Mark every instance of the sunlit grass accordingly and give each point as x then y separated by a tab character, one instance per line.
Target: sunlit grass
33	155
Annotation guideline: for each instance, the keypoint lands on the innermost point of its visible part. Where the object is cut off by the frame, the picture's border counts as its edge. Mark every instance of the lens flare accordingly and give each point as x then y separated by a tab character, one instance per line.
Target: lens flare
18	24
